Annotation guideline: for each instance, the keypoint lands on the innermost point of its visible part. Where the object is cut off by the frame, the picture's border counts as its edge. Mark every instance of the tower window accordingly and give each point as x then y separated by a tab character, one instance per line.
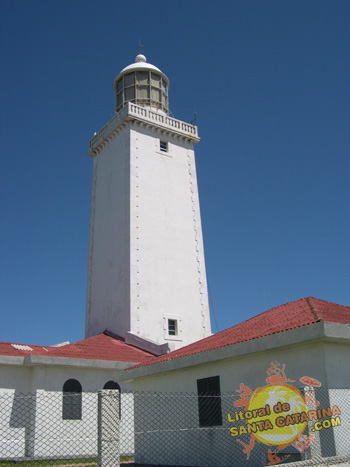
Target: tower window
72	400
172	327
209	401
163	146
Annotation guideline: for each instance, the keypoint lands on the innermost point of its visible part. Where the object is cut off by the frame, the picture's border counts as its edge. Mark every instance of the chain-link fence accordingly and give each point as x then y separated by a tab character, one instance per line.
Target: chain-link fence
223	430
106	428
50	425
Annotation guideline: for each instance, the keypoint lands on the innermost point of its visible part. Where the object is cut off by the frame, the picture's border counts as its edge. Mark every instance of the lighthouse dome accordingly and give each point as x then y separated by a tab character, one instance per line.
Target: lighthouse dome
143	84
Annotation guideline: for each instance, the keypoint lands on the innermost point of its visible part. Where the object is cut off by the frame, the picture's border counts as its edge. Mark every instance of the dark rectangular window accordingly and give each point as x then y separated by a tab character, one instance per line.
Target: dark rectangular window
209	401
163	146
172	327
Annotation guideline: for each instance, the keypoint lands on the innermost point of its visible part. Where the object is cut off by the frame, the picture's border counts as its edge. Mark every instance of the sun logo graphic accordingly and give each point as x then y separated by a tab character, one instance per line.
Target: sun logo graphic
285	402
275	415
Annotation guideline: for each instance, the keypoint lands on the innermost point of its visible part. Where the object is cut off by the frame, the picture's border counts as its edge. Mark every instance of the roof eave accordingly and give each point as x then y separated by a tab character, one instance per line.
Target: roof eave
35	360
31	360
11	360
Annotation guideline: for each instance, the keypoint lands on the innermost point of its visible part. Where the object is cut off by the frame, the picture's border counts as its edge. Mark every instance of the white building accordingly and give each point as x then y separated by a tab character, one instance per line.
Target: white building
308	338
48	396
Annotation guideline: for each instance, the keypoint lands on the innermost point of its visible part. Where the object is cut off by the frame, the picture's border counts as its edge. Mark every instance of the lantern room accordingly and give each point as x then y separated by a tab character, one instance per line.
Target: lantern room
143	84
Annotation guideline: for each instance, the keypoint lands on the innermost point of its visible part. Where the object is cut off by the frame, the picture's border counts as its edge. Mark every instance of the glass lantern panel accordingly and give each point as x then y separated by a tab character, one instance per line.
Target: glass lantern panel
155	80
129	79
142	77
143	92
119	99
155	94
120	84
129	93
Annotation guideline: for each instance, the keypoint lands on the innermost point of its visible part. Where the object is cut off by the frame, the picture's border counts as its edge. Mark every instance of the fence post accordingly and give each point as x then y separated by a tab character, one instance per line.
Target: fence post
108	428
314	451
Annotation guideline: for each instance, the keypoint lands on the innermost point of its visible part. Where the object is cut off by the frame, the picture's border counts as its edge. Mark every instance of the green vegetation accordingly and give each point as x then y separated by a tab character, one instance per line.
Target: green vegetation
62	462
59	462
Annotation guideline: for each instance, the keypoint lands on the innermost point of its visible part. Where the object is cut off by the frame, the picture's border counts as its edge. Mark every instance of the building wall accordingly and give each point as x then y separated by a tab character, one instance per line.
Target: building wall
16	377
146	256
168	278
24	379
317	360
338	374
31	412
343	395
108	287
251	370
338	377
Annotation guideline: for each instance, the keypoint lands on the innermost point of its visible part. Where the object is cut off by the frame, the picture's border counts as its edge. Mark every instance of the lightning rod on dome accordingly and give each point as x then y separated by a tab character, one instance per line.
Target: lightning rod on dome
140	46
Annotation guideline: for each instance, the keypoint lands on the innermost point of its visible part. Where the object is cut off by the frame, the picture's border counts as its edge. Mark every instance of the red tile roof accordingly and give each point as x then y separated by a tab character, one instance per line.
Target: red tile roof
101	347
281	318
108	347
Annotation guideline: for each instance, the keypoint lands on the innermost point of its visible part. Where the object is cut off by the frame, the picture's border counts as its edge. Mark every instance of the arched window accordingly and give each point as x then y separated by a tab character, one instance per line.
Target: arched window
114	385
111	385
72	400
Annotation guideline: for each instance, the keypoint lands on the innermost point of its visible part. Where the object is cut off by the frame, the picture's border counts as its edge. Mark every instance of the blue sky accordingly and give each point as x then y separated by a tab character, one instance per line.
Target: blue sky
269	82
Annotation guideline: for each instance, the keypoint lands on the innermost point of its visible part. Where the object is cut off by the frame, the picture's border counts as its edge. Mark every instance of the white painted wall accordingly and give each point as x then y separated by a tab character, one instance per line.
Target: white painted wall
341	433
251	370
338	375
16	377
168	278
55	437
108	285
31	421
146	260
9	428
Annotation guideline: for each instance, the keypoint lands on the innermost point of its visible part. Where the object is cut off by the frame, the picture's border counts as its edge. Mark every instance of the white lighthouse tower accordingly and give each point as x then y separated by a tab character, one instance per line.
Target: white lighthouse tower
146	274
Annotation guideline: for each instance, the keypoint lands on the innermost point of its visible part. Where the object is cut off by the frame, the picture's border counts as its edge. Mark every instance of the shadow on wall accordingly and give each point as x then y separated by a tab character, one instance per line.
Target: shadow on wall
23	416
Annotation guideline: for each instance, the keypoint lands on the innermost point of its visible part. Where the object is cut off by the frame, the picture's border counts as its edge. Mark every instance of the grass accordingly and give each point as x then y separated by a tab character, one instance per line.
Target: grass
37	463
60	462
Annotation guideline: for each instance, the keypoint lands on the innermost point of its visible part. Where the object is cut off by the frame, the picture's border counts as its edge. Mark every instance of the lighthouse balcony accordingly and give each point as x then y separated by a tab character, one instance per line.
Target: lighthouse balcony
146	116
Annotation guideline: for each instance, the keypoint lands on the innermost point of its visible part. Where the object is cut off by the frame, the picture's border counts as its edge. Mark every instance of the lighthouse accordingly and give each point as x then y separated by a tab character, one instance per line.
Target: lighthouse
146	270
